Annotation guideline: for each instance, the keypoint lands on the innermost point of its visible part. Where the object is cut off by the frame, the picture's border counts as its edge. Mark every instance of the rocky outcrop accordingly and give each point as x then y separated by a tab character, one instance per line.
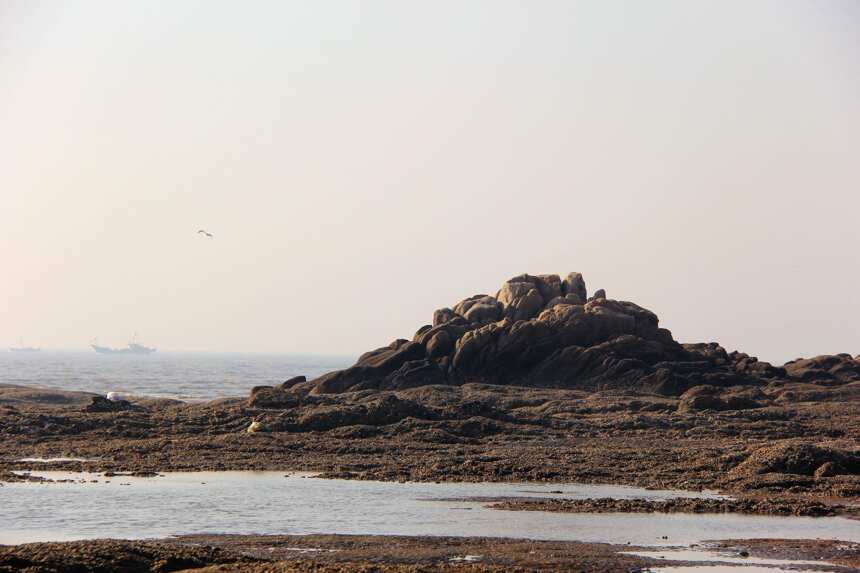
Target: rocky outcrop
800	459
827	370
545	331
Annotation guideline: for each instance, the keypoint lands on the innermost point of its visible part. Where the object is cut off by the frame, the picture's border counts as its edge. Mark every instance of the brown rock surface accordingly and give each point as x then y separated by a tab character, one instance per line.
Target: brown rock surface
383	554
750	506
317	554
106	556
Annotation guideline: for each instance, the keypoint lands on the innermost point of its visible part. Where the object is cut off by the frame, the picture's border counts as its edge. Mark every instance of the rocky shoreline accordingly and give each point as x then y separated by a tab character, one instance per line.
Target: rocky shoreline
539	383
386	554
466	433
749	506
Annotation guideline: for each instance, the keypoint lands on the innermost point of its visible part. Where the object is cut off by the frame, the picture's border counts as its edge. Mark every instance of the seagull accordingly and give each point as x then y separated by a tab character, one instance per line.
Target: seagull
205	233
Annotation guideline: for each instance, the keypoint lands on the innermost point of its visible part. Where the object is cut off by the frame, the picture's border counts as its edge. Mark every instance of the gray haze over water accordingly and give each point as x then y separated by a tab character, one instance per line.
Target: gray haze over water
192	375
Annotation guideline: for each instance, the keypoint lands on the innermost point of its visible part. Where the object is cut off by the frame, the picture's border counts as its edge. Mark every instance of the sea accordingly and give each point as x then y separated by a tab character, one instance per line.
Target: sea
190	376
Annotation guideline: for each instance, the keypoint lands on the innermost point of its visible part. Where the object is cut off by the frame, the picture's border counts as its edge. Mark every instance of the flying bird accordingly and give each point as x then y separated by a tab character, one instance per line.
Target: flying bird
205	233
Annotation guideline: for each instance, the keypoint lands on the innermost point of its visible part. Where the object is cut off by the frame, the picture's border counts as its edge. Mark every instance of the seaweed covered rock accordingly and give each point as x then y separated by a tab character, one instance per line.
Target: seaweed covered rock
479	308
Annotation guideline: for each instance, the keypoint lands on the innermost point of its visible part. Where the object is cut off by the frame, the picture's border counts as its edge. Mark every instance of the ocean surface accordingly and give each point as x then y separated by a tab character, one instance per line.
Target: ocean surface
186	376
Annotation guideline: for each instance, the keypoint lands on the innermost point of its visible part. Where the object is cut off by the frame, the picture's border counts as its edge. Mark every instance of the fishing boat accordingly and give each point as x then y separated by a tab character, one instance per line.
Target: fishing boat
133	347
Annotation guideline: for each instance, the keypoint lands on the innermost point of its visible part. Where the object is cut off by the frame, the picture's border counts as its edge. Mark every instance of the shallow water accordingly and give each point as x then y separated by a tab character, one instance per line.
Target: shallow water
270	503
187	375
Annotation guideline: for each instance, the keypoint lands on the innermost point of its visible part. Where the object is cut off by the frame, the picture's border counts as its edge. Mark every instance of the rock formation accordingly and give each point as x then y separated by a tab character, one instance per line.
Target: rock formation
827	370
102	404
545	331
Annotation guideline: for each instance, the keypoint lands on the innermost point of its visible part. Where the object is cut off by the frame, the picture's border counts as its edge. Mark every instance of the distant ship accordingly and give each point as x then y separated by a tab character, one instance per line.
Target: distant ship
132	347
22	348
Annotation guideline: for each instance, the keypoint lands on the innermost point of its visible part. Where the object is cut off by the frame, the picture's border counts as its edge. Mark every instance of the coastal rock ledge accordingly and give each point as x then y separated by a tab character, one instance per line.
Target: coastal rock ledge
546	332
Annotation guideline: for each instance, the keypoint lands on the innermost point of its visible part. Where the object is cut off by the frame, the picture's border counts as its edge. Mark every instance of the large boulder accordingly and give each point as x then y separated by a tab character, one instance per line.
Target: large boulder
442	316
470	351
503	351
599	320
479	308
521	297
439	340
549	286
574	287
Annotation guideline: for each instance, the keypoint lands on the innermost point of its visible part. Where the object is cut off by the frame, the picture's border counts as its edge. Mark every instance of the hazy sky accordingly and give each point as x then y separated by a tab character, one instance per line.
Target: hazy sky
363	163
